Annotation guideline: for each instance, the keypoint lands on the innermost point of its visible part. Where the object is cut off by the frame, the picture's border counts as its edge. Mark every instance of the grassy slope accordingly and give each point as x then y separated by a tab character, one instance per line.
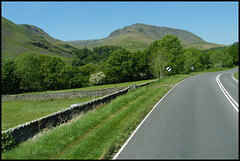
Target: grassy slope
17	39
236	75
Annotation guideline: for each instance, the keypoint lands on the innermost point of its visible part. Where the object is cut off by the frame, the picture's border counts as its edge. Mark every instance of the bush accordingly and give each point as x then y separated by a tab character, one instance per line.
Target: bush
96	79
7	141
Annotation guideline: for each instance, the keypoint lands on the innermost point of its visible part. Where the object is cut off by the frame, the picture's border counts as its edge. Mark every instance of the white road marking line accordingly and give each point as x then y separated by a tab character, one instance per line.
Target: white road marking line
227	95
115	157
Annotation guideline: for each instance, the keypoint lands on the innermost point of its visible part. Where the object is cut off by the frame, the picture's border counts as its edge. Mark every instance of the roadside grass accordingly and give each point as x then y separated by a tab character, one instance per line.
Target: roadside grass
236	75
99	133
19	112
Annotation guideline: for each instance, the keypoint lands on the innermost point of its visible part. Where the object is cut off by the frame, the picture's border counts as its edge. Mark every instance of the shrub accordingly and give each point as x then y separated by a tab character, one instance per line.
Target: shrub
7	141
97	78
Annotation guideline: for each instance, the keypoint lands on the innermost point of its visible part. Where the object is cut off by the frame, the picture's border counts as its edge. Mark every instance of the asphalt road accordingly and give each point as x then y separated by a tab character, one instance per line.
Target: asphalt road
195	120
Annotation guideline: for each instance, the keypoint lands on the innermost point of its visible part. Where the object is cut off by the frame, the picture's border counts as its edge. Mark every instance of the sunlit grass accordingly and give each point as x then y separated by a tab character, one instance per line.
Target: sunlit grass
236	75
19	112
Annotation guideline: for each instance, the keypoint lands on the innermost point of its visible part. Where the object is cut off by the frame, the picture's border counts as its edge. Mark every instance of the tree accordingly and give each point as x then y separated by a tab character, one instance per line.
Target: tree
80	56
28	67
220	59
70	77
164	53
50	70
10	80
233	51
193	58
118	67
140	66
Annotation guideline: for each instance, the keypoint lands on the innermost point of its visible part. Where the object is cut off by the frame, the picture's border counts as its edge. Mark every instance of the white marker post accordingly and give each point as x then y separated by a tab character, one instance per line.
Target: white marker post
169	69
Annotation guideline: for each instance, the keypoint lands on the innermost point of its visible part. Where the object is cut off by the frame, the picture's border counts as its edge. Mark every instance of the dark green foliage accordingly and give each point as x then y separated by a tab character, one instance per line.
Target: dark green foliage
7	141
233	51
50	71
118	67
28	67
10	80
98	55
164	53
80	56
193	58
37	72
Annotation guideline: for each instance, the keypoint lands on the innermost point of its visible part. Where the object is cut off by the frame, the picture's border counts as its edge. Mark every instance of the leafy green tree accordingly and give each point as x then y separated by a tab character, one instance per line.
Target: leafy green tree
233	51
28	67
193	58
104	52
10	81
220	58
163	54
70	77
80	56
86	71
118	67
50	70
140	66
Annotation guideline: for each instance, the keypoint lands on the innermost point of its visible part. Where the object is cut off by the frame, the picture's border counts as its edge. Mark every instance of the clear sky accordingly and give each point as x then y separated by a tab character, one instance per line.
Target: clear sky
215	22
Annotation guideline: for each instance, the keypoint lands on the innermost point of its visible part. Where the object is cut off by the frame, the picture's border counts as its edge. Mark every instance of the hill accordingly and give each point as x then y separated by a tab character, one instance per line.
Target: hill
140	36
17	39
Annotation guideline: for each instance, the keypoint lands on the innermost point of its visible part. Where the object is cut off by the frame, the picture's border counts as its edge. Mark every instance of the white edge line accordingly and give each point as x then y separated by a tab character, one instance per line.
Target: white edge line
230	99
226	91
234	78
144	121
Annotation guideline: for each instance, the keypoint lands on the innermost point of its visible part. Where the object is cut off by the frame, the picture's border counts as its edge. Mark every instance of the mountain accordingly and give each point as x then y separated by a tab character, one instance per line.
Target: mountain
17	39
140	36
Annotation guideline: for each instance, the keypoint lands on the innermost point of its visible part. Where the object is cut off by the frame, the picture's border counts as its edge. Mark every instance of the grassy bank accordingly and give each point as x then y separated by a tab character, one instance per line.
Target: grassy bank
236	75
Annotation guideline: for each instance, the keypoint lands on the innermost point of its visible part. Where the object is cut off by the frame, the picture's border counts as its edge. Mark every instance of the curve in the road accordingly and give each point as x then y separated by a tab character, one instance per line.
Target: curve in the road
193	120
225	92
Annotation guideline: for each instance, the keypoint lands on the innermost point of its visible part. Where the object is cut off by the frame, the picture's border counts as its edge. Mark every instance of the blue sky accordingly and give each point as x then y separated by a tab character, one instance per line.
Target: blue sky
215	22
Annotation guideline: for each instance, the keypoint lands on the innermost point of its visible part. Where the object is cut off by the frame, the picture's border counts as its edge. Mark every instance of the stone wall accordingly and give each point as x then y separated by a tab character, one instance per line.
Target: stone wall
61	95
25	131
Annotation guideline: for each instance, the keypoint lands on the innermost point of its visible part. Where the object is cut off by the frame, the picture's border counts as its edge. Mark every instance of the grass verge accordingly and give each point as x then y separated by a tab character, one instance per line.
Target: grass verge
236	75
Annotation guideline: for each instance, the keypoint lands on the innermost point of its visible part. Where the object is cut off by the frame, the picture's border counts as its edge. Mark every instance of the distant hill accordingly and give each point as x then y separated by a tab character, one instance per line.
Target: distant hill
17	39
140	36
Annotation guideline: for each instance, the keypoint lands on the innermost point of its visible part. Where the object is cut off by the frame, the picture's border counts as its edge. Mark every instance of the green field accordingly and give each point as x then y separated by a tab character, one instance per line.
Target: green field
19	112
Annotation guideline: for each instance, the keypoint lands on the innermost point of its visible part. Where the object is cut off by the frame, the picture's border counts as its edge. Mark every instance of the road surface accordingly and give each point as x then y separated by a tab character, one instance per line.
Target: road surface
195	120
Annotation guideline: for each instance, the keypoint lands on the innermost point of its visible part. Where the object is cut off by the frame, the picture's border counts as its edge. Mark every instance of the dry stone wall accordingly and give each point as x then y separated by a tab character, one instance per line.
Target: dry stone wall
61	95
25	131
29	129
